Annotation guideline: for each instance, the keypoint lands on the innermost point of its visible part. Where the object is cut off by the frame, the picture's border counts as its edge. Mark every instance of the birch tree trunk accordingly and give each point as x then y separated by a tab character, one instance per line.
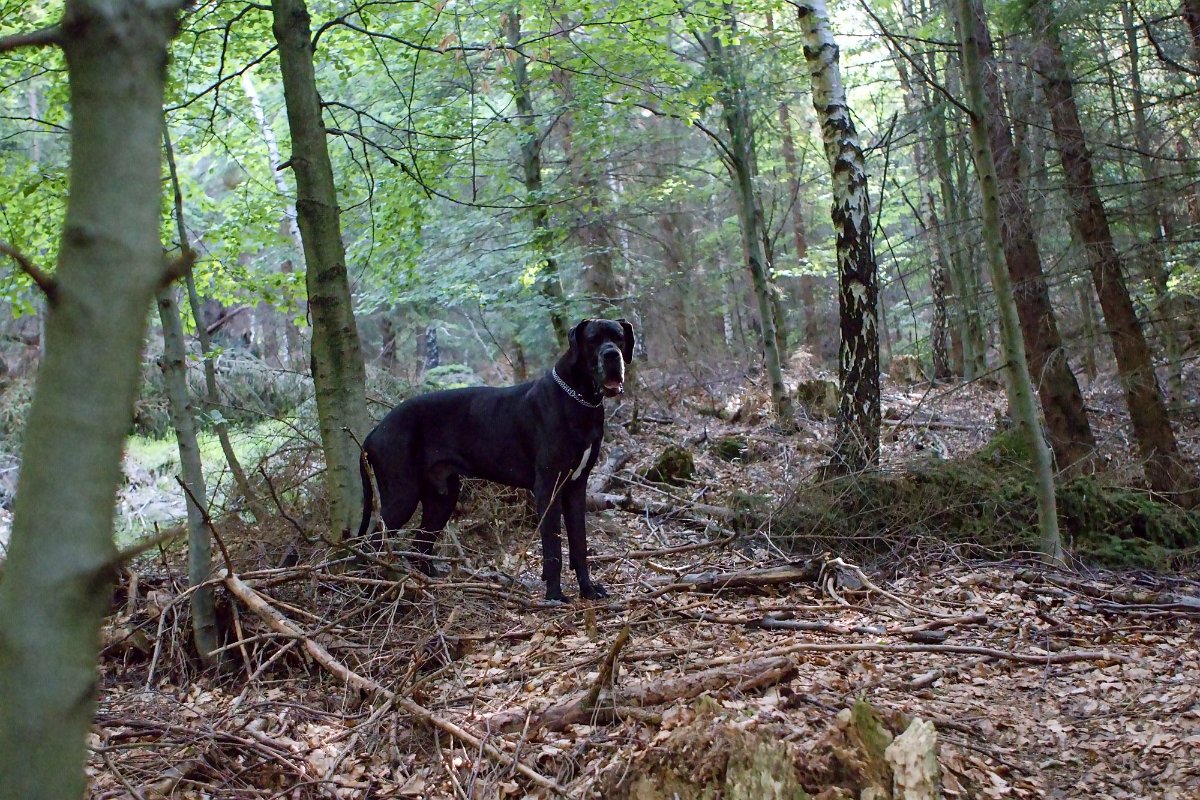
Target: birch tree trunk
856	446
337	365
1165	471
1020	389
531	166
58	578
1062	402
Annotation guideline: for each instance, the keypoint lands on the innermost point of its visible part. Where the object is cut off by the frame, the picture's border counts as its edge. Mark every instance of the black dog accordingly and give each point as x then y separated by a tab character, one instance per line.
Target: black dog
543	435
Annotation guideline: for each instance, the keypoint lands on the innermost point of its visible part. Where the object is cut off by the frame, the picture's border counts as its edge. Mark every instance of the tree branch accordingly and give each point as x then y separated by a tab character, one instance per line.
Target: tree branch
46	283
42	37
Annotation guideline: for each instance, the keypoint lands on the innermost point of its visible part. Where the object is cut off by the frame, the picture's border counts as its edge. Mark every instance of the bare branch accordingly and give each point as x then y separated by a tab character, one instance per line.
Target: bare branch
42	37
43	281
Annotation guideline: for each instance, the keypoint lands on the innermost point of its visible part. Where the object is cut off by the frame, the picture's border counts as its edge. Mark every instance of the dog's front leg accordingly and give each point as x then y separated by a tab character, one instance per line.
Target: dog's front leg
547	489
574	506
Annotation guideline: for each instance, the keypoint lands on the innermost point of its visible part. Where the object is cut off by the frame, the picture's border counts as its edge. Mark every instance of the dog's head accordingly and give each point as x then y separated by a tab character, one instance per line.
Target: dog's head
601	348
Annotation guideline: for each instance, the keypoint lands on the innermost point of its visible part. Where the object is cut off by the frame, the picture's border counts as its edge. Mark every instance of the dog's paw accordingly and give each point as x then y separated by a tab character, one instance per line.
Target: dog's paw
593	592
556	596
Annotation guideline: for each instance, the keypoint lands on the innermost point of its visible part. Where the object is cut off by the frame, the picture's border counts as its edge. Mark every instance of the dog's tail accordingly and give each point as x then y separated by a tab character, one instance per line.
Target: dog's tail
370	510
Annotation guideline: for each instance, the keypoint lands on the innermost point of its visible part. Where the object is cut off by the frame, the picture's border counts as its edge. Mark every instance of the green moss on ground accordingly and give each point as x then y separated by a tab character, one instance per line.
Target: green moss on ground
987	501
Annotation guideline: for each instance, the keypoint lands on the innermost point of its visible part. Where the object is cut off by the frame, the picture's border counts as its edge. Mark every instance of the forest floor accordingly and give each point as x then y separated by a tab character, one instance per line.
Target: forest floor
725	664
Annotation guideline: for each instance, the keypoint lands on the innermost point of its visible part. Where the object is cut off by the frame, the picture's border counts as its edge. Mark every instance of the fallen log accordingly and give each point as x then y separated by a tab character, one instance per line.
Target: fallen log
744	676
278	622
602	477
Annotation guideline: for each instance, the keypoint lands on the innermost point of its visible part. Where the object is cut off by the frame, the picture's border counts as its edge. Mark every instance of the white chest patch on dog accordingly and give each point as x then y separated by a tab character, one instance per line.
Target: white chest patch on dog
582	463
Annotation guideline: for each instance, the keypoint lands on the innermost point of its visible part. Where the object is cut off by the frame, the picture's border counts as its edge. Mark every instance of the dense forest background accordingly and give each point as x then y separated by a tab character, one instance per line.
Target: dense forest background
221	271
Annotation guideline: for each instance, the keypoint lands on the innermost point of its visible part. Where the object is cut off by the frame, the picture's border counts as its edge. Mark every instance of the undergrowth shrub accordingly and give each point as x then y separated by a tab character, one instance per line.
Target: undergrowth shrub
249	389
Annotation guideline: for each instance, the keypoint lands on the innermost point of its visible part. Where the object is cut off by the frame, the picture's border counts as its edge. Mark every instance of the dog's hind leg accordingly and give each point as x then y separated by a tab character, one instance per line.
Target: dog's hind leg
437	506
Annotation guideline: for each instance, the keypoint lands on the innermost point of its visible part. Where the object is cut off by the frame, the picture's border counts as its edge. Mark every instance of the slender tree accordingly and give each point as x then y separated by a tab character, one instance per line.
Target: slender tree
857	439
1020	390
1165	471
337	365
58	578
725	58
1062	402
531	139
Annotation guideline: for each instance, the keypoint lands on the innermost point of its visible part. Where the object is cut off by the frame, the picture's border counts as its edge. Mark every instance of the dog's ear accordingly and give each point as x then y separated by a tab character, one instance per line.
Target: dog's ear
574	351
627	346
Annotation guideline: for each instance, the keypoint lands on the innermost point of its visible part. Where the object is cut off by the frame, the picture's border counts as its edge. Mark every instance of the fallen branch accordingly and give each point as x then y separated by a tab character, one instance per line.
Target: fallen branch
665	551
603	501
278	622
800	572
606	669
744	676
602	477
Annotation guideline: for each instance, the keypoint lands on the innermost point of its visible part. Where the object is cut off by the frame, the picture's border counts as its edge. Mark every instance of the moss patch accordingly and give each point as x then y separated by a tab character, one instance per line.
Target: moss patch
987	501
674	466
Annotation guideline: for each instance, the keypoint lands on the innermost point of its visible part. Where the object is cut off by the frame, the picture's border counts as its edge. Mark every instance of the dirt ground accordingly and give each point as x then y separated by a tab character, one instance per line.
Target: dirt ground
716	642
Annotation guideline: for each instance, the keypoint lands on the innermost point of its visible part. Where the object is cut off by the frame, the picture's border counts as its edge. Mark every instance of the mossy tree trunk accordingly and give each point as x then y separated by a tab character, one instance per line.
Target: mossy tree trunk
1062	402
856	446
1020	389
1165	471
337	365
58	578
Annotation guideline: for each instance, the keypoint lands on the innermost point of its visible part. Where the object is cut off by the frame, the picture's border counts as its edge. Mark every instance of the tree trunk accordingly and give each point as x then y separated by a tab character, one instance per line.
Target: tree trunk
1020	390
212	398
856	446
1165	471
183	420
1162	229
58	578
531	166
808	281
938	331
337	365
1062	402
742	161
1191	15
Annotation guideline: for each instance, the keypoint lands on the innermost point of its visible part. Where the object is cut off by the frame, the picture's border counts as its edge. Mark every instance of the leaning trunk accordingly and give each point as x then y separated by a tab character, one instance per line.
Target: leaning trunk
1062	402
1020	389
1165	471
857	439
58	578
337	365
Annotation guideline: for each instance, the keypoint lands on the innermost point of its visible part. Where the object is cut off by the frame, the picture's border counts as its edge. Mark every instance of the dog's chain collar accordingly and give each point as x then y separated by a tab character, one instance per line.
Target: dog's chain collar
574	395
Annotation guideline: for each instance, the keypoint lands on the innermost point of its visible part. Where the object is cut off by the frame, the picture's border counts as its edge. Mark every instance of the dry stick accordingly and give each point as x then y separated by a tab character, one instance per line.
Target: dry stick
746	674
926	679
279	622
606	669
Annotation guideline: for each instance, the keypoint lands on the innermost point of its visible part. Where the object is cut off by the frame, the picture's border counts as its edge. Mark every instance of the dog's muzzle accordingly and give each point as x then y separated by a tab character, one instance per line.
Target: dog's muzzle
610	370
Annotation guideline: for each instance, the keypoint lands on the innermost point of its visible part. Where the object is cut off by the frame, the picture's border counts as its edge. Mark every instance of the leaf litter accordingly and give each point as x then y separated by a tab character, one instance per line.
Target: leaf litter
751	667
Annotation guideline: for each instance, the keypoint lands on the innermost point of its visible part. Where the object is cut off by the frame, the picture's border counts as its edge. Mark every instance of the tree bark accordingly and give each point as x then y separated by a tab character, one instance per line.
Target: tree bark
337	365
1062	402
1191	15
856	445
742	160
183	420
1162	229
58	578
1020	389
531	138
1165	471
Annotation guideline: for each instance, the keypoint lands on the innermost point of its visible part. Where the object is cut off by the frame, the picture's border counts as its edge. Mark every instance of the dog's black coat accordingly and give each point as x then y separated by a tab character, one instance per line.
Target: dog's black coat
534	436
